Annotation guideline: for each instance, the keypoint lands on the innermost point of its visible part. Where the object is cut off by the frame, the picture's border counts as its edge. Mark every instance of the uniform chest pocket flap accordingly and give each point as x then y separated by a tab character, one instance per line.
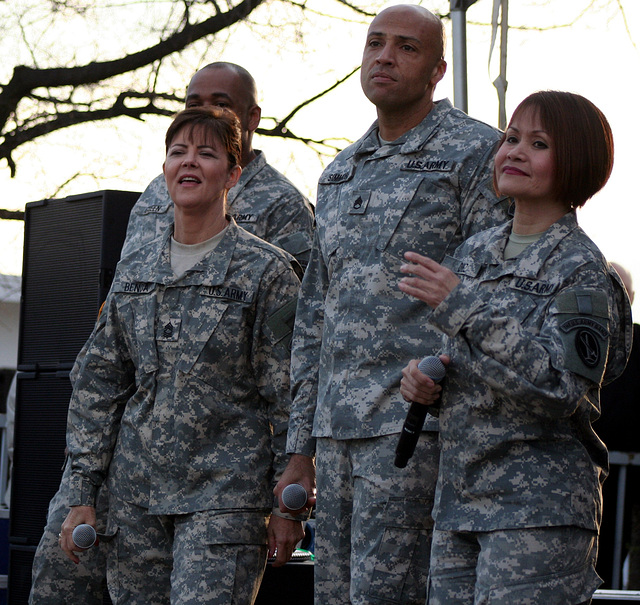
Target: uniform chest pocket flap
136	302
203	336
393	214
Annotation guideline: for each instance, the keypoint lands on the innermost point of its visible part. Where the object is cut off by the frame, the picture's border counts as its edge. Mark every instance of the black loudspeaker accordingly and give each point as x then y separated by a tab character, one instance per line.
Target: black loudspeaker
71	249
20	563
39	442
291	583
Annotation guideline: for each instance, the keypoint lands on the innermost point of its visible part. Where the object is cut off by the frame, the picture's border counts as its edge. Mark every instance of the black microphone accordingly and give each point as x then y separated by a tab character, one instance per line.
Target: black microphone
84	536
434	369
294	496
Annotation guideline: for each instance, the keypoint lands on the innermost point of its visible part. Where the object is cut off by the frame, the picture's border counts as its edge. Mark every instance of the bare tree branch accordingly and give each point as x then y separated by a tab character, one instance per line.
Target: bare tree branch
11	215
38	101
281	130
27	79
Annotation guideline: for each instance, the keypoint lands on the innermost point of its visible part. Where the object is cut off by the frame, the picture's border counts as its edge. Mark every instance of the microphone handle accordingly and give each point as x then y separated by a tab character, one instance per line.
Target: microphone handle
410	434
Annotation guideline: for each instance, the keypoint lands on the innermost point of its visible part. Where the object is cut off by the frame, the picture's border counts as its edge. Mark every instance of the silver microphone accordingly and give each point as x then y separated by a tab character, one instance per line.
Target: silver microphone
84	536
294	496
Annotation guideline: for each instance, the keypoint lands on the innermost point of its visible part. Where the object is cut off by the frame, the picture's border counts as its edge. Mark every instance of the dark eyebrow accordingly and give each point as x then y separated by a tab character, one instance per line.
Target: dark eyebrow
399	37
215	95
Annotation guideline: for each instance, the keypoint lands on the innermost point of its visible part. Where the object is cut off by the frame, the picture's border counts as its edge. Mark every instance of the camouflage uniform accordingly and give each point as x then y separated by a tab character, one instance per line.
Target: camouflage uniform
265	204
355	331
531	340
183	397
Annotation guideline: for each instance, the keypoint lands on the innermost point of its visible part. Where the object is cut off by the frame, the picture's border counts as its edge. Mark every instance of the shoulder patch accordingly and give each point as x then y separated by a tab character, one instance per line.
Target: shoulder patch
281	323
583	319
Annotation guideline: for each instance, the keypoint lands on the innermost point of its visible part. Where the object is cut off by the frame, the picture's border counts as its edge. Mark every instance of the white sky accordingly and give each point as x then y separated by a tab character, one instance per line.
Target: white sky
597	56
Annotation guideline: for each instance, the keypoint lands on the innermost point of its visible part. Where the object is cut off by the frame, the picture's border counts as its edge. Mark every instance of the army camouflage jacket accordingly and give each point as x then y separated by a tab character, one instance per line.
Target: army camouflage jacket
185	388
355	331
531	340
264	202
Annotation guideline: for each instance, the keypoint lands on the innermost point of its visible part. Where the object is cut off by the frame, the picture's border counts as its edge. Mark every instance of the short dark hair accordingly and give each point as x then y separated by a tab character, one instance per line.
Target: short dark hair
216	123
582	142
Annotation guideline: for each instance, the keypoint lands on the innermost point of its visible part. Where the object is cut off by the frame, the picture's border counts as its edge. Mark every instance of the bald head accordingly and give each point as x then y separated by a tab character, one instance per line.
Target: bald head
626	278
432	24
247	83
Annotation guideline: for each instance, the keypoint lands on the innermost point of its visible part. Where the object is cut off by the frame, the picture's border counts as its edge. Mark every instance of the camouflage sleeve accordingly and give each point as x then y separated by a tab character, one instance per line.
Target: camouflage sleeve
482	208
142	227
305	359
547	368
77	364
105	382
620	349
290	225
271	357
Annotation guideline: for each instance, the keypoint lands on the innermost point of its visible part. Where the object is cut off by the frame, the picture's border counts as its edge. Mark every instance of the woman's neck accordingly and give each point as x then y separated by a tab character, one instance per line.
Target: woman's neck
194	228
536	217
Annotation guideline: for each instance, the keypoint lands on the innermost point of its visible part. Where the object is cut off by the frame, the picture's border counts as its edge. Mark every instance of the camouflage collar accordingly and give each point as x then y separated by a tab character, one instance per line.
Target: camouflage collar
529	265
153	264
411	141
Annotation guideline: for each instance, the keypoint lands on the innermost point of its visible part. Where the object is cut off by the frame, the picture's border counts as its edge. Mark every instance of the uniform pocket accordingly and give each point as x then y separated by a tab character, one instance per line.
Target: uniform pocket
403	553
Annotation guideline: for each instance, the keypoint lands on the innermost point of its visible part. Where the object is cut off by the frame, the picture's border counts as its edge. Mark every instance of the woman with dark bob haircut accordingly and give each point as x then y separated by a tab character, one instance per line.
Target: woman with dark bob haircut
534	321
182	401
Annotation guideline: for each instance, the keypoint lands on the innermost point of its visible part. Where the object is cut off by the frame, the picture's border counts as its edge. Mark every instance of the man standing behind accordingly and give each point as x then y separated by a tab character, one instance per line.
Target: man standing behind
266	204
420	178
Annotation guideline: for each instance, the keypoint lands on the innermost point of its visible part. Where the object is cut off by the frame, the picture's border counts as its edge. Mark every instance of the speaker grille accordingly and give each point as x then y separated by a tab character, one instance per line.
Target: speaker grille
38	452
21	562
71	248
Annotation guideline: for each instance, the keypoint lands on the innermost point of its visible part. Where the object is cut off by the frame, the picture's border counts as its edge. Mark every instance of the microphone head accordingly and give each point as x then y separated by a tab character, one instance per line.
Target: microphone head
84	536
432	367
294	496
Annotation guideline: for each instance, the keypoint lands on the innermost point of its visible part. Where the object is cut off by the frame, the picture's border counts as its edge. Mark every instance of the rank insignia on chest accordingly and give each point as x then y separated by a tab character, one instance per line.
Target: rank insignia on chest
168	330
358	201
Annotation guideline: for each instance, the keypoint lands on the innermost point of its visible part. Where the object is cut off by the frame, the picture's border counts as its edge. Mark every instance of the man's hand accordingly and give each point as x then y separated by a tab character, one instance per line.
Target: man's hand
77	515
283	536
